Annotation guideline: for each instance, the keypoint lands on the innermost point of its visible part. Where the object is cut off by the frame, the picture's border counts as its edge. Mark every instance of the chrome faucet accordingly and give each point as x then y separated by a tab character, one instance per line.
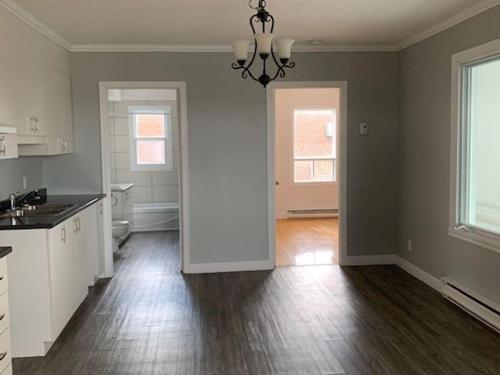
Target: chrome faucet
12	199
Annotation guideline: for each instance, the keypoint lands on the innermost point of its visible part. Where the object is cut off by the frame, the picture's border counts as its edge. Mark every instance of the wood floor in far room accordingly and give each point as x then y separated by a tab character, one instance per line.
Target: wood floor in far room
151	319
306	242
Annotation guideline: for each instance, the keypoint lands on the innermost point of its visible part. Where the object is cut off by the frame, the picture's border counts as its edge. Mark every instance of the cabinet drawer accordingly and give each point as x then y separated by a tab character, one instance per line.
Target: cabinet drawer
8	370
3	275
5	354
4	312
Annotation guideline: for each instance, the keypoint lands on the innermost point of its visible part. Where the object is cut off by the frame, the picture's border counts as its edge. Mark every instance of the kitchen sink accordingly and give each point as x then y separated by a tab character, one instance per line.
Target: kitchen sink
47	209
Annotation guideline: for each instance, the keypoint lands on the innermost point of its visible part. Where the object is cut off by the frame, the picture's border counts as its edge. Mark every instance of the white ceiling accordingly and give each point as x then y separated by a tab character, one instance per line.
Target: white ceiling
217	22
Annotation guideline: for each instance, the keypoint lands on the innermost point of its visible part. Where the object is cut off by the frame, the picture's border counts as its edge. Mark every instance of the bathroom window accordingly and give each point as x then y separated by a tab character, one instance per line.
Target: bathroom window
475	180
314	146
151	139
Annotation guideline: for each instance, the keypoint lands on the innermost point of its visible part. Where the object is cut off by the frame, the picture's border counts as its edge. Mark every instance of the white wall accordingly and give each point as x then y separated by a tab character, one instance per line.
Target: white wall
424	159
289	195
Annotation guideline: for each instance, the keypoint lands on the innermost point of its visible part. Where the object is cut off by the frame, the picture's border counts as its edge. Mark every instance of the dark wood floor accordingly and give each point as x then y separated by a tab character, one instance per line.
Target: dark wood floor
150	319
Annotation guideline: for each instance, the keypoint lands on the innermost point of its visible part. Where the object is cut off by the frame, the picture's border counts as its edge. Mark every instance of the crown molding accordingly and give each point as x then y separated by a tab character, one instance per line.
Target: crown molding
35	23
464	15
191	48
48	32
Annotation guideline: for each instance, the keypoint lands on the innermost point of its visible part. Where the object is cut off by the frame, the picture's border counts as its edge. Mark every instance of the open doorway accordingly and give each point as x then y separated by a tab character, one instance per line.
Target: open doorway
307	122
144	163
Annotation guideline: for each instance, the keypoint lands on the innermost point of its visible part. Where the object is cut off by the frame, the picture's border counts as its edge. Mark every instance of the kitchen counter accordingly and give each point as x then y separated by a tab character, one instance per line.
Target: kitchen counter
80	202
5	250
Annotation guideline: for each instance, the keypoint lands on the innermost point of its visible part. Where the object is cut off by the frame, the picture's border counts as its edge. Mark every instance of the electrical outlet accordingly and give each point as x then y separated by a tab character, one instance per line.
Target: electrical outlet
410	246
25	182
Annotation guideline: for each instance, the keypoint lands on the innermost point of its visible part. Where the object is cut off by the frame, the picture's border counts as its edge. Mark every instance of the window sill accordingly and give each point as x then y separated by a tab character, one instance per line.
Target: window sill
315	183
483	239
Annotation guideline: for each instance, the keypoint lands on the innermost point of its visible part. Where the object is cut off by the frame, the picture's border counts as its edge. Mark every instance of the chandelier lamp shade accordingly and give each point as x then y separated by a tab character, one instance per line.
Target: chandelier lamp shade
271	51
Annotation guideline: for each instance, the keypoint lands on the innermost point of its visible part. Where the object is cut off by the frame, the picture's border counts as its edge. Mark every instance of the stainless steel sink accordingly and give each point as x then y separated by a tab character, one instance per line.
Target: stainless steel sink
47	209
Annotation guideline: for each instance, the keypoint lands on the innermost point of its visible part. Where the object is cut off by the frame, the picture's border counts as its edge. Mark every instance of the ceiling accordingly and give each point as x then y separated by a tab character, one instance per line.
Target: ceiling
217	22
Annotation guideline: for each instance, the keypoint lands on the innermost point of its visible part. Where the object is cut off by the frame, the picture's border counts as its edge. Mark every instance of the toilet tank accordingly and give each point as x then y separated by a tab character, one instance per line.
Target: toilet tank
121	202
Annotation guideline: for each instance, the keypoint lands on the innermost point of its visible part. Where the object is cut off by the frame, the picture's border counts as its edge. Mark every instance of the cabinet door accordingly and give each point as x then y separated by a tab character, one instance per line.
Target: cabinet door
6	114
65	261
57	103
80	256
61	275
27	94
90	243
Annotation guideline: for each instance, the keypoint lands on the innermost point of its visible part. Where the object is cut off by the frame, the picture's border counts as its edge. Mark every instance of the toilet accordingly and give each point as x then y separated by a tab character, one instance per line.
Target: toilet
120	230
121	207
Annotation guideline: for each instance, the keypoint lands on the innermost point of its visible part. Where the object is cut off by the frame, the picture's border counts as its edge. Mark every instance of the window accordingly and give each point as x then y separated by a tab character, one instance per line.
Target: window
150	138
476	140
314	145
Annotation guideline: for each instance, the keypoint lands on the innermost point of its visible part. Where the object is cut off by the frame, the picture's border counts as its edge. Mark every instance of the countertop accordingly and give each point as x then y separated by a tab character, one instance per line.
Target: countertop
80	202
122	187
5	250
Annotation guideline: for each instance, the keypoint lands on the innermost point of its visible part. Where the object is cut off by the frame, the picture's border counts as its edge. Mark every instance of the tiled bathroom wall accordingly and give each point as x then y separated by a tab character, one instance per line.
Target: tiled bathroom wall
154	186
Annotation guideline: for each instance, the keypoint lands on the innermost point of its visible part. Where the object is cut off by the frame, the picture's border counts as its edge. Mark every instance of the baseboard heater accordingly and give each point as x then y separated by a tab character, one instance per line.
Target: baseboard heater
324	212
472	302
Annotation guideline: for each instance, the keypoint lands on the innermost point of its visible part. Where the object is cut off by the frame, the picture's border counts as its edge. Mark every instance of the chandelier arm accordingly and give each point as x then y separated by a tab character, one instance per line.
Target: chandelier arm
269	15
280	71
250	63
252	20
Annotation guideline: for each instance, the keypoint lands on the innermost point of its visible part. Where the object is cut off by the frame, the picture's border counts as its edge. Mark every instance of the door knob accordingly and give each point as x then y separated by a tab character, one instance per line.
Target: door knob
276	183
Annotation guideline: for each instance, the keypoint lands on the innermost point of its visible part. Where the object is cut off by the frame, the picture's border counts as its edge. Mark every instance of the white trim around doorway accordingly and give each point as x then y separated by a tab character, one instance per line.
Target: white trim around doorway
184	166
342	165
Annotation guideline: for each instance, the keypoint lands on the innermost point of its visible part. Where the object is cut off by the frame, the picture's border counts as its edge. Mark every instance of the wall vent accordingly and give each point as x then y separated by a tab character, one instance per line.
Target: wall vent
472	302
324	212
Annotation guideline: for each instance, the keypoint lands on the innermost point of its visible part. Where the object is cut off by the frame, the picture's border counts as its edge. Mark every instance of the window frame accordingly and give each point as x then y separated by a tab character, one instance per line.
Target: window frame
459	228
166	111
293	159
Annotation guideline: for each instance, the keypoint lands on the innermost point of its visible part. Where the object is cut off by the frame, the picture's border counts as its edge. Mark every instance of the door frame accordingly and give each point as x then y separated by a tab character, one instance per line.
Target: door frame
341	166
104	86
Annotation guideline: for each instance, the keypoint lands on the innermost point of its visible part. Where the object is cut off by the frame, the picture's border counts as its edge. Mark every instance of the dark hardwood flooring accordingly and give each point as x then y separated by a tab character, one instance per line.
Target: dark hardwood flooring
150	319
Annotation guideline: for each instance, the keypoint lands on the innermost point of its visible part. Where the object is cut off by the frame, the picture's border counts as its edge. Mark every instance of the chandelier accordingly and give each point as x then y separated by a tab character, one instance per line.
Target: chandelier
263	48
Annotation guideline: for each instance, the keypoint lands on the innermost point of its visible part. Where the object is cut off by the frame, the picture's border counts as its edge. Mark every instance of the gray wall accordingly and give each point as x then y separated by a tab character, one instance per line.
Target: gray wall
227	144
424	158
12	172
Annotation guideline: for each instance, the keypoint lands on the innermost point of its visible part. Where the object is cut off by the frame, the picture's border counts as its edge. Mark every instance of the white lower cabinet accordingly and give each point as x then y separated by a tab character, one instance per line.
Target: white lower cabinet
5	344
49	279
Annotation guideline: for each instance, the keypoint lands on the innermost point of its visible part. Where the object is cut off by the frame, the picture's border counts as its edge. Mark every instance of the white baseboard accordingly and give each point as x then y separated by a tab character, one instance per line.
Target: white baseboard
425	277
281	215
369	260
229	267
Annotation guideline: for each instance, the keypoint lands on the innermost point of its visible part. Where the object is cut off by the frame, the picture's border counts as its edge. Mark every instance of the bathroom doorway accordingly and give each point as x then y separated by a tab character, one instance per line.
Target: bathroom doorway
144	163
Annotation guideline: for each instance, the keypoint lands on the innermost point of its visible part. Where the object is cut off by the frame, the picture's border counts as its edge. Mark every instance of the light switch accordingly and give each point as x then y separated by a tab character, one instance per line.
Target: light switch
363	128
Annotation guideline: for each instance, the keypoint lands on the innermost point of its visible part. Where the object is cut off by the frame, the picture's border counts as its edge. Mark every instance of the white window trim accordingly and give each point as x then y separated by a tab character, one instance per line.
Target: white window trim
460	62
292	174
166	111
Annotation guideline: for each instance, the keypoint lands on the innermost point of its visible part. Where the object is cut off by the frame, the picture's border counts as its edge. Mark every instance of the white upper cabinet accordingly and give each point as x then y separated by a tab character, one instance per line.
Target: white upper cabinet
26	88
6	110
35	89
57	113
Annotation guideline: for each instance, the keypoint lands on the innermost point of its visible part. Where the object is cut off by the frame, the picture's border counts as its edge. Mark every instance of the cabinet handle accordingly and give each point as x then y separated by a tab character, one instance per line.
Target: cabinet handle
3	355
63	235
2	316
